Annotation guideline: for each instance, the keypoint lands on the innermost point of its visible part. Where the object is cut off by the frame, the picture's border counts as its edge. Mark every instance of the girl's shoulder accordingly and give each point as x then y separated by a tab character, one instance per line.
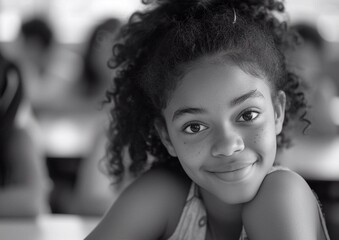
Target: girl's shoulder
284	201
163	186
151	206
169	190
286	182
160	180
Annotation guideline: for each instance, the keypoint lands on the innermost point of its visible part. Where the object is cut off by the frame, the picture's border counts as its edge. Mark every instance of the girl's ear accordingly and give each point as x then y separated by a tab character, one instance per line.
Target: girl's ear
279	111
161	128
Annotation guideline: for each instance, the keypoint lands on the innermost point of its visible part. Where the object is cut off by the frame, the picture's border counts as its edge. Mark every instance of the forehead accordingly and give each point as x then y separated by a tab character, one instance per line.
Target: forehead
206	81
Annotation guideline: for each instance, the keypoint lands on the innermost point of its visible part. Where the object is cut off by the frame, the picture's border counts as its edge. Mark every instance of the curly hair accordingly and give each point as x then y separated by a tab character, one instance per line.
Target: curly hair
157	44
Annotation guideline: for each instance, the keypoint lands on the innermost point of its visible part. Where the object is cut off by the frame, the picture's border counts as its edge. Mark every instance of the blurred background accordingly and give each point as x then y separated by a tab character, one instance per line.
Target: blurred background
61	48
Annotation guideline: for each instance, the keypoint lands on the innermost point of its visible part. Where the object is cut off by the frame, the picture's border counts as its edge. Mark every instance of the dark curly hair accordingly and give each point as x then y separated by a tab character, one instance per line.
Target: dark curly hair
157	44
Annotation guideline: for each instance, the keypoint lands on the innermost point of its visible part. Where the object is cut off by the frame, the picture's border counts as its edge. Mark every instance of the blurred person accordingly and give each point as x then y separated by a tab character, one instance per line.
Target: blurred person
24	186
95	76
49	67
92	193
38	38
309	61
320	90
314	153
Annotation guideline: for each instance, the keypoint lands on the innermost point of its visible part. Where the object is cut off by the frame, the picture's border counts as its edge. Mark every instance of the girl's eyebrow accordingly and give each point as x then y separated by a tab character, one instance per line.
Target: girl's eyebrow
236	101
251	94
191	110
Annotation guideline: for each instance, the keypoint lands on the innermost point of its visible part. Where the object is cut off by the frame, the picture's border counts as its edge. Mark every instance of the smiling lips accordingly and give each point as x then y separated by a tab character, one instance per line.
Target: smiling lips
234	173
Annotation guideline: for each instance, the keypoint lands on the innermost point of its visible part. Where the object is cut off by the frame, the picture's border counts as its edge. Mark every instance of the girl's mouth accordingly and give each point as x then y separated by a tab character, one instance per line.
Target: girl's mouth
235	175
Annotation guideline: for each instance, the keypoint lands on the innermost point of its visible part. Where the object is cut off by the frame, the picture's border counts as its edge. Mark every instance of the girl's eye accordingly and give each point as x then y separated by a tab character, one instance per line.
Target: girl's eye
194	128
248	116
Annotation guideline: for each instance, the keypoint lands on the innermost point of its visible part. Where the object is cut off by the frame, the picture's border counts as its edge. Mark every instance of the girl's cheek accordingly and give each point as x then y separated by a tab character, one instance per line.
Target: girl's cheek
262	136
189	149
192	141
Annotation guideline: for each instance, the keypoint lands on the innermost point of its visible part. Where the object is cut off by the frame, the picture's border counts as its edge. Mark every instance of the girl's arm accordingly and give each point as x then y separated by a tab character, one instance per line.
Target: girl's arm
148	209
283	209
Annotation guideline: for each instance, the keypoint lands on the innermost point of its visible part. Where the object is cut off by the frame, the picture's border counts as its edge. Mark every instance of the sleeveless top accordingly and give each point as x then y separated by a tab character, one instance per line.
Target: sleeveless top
193	221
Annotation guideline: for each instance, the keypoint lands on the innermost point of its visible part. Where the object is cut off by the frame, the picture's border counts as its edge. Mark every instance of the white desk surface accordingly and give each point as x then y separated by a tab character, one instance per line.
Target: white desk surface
47	227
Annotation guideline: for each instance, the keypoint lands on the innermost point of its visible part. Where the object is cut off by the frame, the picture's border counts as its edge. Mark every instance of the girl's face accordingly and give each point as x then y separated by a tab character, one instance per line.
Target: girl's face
222	124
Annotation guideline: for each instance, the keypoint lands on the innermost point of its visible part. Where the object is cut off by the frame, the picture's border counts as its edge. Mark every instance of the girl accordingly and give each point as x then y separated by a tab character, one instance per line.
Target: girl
203	87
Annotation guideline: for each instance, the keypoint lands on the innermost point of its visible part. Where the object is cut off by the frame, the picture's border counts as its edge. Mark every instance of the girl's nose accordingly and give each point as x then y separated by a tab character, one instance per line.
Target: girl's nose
227	142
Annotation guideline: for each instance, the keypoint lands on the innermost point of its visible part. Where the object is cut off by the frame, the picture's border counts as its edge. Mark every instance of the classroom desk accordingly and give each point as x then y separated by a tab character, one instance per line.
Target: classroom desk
47	227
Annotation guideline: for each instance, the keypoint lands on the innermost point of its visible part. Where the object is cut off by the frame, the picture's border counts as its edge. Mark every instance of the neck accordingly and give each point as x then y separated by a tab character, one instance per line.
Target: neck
220	210
225	221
